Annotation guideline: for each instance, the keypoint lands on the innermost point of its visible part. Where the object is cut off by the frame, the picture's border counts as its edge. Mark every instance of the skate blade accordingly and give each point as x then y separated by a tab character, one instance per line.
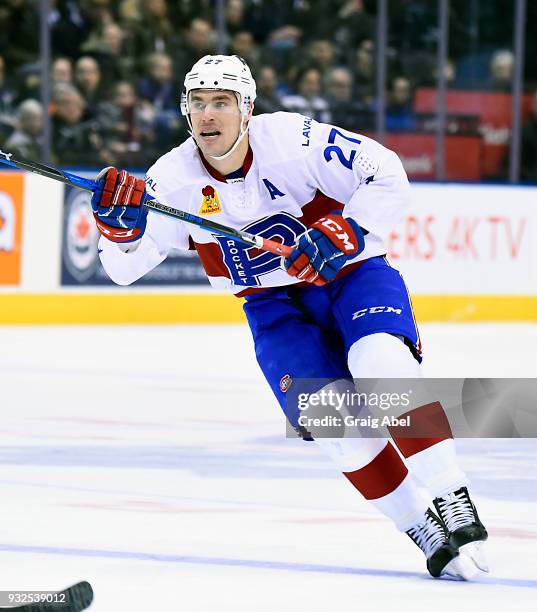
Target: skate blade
476	552
461	568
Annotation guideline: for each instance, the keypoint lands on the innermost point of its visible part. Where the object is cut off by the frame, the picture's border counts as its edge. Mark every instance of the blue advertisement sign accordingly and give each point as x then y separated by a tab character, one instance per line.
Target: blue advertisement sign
80	260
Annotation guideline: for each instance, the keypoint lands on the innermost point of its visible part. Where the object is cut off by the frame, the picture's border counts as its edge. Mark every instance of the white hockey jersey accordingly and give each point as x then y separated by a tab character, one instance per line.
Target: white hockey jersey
296	171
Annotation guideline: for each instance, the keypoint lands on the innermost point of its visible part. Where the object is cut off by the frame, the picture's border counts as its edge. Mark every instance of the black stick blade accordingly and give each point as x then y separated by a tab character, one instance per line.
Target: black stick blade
74	599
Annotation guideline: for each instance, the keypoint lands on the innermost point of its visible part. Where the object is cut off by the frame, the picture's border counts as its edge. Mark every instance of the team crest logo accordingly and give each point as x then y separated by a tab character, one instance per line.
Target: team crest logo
285	382
210	203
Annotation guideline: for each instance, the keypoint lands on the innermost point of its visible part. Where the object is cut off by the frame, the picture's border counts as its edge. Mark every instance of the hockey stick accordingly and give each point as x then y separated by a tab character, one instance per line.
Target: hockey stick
78	181
74	599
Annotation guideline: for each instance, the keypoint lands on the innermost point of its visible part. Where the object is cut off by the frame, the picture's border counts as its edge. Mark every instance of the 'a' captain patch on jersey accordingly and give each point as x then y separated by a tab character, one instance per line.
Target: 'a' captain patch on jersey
210	203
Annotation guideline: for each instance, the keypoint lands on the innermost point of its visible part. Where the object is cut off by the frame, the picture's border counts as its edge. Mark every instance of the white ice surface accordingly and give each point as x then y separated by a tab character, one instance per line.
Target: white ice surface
151	461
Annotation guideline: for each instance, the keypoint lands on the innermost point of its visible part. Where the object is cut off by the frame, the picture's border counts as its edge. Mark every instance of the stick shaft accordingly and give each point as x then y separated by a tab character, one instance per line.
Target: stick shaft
211	226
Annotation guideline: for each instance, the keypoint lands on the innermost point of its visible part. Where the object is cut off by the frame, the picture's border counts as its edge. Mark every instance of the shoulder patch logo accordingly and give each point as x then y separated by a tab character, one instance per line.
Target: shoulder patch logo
210	203
366	164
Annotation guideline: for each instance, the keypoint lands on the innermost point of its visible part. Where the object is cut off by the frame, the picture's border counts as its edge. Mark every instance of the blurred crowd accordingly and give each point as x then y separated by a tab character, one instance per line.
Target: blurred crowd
117	67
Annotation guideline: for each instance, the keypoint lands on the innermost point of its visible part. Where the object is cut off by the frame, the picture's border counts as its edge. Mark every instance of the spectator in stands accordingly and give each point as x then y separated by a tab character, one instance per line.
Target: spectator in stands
148	28
424	70
130	13
158	87
68	104
112	38
268	100
61	71
106	46
28	82
528	171
345	110
19	25
68	28
287	24
285	38
26	139
319	53
243	45
364	72
400	109
89	82
322	55
7	97
339	86
155	31
234	17
275	21
308	99
160	91
419	63
183	11
450	72
276	26
353	25
74	21
97	12
197	42
7	93
135	45
127	128
76	138
502	65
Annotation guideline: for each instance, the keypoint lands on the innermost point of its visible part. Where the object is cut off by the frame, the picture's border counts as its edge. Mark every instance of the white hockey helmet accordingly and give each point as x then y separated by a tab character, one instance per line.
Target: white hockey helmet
229	72
221	72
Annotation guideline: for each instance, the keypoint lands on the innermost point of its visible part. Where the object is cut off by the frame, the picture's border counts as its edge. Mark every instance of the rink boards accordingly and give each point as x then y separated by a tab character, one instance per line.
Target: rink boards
467	253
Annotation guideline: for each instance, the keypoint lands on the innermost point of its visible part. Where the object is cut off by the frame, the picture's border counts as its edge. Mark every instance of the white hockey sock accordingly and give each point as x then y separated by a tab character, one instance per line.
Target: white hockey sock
375	469
405	506
436	467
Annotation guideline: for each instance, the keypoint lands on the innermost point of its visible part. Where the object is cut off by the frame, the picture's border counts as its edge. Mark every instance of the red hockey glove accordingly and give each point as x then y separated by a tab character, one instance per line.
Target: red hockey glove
321	252
118	205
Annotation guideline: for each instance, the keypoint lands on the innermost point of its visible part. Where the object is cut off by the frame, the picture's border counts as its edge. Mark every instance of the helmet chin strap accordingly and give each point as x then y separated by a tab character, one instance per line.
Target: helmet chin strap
242	132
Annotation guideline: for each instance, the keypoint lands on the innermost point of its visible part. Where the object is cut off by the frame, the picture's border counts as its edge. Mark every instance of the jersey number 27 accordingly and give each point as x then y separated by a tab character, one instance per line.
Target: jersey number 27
333	148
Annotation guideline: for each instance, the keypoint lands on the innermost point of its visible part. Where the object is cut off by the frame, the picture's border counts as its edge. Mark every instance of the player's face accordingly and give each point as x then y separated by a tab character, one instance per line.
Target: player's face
215	120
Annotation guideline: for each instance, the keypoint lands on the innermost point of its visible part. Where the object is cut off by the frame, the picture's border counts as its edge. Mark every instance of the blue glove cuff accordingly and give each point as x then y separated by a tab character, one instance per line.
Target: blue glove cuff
359	233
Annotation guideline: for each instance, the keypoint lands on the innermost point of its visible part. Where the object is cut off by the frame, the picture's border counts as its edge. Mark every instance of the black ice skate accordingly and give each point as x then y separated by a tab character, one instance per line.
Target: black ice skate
442	558
466	532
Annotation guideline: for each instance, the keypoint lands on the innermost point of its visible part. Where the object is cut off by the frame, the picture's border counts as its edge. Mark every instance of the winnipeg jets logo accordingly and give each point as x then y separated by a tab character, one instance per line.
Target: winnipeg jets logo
8	156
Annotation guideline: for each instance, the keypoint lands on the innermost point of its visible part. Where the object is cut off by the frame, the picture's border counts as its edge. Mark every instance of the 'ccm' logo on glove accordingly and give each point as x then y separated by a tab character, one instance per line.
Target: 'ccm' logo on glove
322	251
346	243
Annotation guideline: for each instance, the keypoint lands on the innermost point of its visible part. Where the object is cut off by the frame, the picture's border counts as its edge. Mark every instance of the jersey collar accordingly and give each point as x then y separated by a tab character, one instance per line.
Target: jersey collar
246	165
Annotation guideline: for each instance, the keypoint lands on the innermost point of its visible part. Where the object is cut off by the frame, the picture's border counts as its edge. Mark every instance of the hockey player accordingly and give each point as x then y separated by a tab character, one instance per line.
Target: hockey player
335	195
